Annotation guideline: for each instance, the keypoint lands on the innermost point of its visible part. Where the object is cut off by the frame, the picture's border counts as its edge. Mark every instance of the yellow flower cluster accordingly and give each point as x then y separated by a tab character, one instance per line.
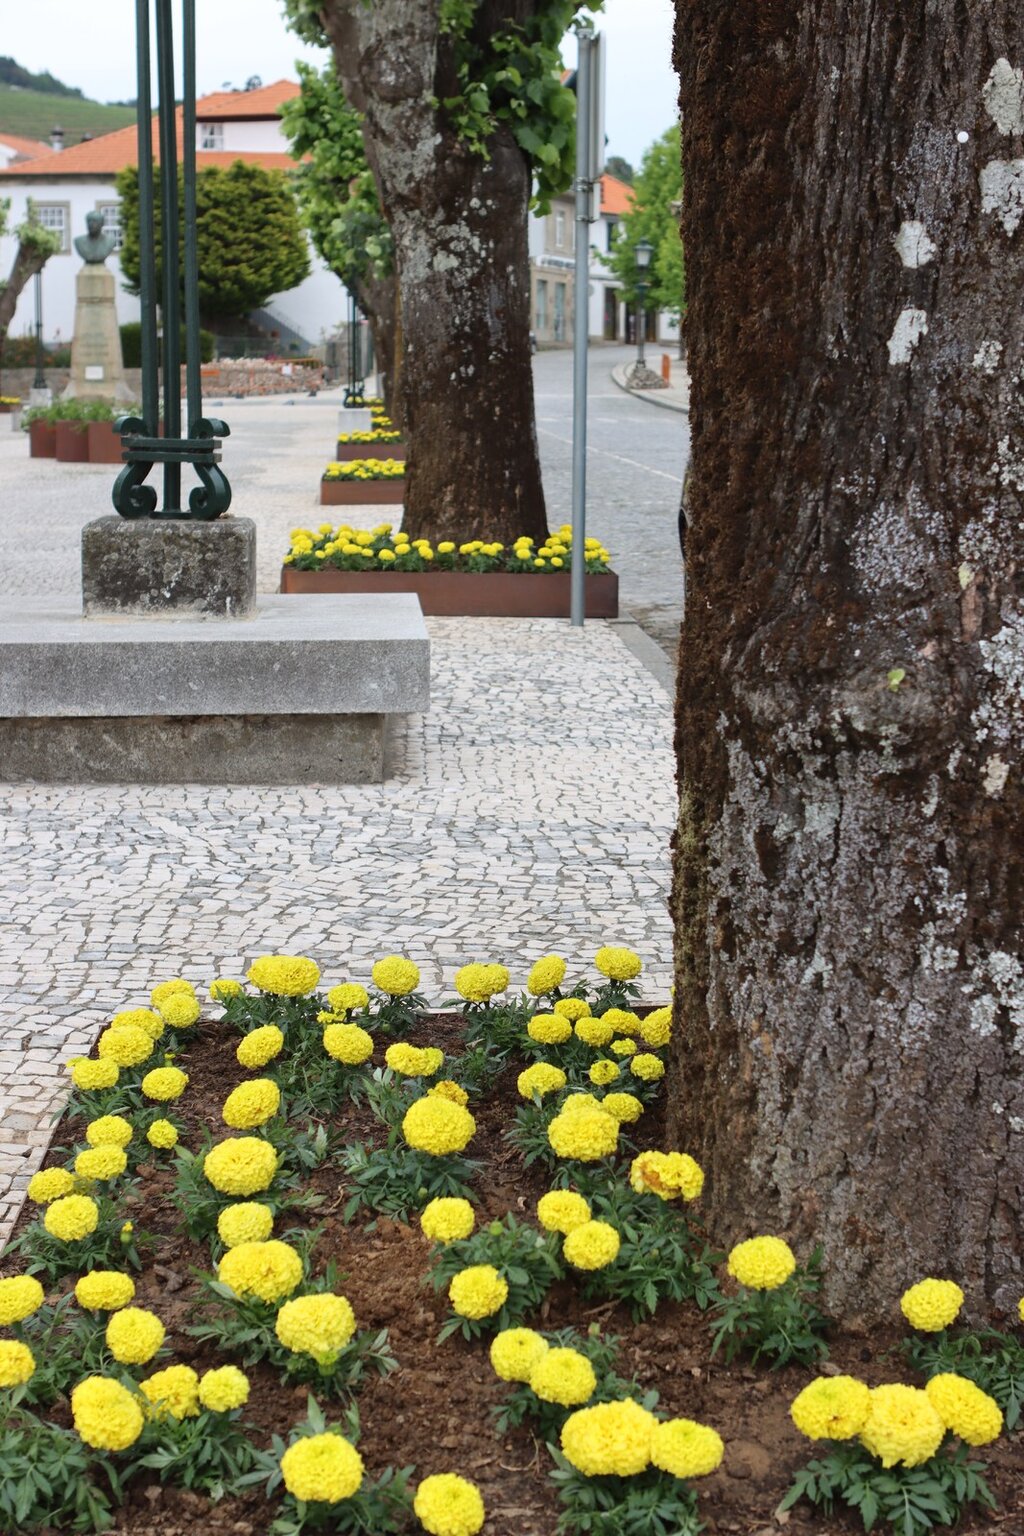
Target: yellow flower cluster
670	1175
414	1061
437	1126
241	1165
20	1296
562	1210
134	1335
549	1028
365	469
449	1505
319	1325
965	1409
108	1131
248	1222
647	1067
104	1290
515	1352
251	1104
587	1134
396	976
831	1408
626	1107
348	997
223	1389
106	1415
173	1392
902	1428
447	1219
546	975
572	1008
656	1028
479	983
322	1469
478	1291
368	437
762	1263
162	1134
176	987
348	1043
50	1184
284	975
259	1046
625	1047
139	1018
556	551
181	1010
224	989
593	1245
268	1270
932	1305
88	1075
684	1448
17	1363
609	1440
71	1218
604	1072
101	1163
618	964
165	1084
127	1047
447	1089
594	1032
563	1376
540	1079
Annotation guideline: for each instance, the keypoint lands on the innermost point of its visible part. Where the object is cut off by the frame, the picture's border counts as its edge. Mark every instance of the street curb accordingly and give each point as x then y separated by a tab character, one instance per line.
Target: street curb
647	651
649	396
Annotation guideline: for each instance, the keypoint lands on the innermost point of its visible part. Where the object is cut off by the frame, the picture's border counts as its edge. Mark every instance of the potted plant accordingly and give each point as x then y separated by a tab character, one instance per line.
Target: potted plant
362	481
104	442
41	425
358	445
72	436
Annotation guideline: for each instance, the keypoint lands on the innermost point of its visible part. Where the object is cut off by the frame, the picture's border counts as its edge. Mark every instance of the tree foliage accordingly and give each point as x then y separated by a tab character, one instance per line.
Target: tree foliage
35	247
658	185
620	168
250	238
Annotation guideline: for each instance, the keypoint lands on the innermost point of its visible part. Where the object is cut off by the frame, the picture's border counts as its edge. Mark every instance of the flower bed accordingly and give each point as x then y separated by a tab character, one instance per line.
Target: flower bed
9	404
362	481
354	445
263	1212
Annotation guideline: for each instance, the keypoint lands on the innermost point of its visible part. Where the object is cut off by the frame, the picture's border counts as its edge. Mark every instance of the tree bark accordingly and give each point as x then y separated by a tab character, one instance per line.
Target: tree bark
28	260
459	223
849	861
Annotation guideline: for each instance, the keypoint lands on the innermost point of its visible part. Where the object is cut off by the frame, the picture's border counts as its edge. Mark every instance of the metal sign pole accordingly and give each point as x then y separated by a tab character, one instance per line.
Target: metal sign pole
581	321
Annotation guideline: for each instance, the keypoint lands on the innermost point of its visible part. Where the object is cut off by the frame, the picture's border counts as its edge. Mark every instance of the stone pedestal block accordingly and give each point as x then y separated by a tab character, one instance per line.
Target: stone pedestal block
160	568
97	371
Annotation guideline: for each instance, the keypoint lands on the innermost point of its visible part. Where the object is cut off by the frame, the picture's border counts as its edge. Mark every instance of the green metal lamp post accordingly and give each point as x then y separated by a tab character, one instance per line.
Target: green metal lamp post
642	253
142	446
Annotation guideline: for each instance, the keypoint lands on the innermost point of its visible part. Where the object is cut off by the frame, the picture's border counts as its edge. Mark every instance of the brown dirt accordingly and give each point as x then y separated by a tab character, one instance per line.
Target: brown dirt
434	1412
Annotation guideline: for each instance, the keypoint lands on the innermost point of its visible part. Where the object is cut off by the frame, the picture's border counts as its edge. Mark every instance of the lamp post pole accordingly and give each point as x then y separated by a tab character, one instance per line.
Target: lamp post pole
642	253
39	382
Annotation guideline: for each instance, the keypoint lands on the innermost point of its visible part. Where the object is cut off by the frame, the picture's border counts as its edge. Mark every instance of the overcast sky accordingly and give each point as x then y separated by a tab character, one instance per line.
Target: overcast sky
92	46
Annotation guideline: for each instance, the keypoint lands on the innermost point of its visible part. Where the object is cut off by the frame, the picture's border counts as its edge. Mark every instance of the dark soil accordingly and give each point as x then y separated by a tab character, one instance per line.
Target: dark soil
434	1412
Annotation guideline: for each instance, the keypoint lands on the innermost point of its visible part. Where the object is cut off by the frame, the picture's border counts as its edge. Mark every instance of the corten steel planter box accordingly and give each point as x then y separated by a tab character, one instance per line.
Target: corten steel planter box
104	443
72	442
492	594
42	440
362	493
347	451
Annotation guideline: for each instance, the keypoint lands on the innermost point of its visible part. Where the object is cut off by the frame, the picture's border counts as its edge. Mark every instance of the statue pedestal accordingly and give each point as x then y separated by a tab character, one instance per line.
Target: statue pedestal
97	372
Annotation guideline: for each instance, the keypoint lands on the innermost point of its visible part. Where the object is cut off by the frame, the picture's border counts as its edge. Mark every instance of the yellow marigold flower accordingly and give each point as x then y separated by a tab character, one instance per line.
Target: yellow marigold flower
478	1291
761	1263
594	1032
546	975
241	1165
594	1245
902	1428
515	1351
563	1376
259	1046
222	991
177	987
107	1416
549	1029
101	1163
541	1078
248	1222
573	1103
647	1067
562	1210
479	983
446	1089
180	1011
319	1325
88	1075
50	1184
17	1363
604	1072
284	975
449	1505
396	976
622	1020
125	1047
447	1219
322	1469
618	964
71	1218
108	1131
165	1084
251	1104
174	1392
684	1448
412	1061
446	548
347	997
20	1296
624	1047
268	1270
626	1107
1020	1309
139	1018
587	1134
348	1043
223	1389
932	1305
656	1028
104	1290
831	1408
670	1175
572	1008
437	1126
134	1335
610	1439
163	1135
965	1409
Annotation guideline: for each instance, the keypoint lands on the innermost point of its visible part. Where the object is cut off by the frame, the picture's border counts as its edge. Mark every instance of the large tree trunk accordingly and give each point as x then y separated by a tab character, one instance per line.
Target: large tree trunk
459	224
849	867
28	260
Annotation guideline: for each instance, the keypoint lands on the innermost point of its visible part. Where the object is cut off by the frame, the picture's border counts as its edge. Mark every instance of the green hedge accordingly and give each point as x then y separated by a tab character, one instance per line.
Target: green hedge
131	344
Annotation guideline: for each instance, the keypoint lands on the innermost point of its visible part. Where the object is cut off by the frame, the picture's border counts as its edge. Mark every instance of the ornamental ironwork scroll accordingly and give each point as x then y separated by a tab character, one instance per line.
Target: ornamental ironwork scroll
143	445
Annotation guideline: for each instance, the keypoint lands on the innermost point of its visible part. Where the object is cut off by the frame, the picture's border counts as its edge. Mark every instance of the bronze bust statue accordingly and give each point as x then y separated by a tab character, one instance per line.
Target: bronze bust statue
94	247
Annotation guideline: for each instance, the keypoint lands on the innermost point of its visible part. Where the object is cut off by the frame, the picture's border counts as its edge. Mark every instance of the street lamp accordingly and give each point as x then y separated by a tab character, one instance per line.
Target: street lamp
642	253
39	382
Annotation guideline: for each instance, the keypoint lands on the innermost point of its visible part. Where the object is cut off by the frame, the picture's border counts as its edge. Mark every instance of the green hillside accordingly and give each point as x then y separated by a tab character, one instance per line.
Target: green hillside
34	113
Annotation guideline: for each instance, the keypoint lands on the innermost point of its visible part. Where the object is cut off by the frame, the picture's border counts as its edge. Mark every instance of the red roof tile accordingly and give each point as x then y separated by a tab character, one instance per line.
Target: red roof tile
616	196
28	149
262	103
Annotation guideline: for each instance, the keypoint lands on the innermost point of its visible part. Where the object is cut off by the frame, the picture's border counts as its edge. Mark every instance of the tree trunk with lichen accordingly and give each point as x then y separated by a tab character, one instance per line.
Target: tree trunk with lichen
849	862
29	259
459	224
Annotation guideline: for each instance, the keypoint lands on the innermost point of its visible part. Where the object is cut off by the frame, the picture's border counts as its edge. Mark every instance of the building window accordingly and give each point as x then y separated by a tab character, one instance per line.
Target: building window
112	222
559	230
56	216
541	323
211	135
613	225
559	311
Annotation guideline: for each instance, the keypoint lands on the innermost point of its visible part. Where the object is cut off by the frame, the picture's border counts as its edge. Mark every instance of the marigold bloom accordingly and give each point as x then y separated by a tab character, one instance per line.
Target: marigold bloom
610	1439
515	1351
223	1389
562	1210
174	1392
437	1126
108	1131
618	964
319	1325
139	1018
163	1135
134	1335
224	989
563	1376
176	987
965	1409
479	983
164	1084
125	1047
17	1363
932	1305
594	1245
549	1029
348	997
251	1104
656	1028
396	976
670	1175
20	1296
180	1011
71	1218
89	1075
626	1107
348	1043
647	1067
572	1008
107	1416
447	1219
604	1072
626	1046
241	1165
50	1184
586	1134
107	1162
414	1061
762	1263
546	975
259	1046
541	1079
322	1469
284	975
593	1031
478	1291
104	1290
447	1089
902	1427
247	1222
269	1270
831	1408
684	1448
449	1505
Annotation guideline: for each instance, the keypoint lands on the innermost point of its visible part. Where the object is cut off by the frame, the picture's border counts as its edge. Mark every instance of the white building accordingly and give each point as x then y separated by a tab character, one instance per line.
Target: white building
67	184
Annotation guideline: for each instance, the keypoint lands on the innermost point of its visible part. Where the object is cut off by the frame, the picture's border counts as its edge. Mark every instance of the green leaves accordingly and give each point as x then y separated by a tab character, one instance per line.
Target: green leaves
779	1326
50	1478
993	1361
652	1504
910	1500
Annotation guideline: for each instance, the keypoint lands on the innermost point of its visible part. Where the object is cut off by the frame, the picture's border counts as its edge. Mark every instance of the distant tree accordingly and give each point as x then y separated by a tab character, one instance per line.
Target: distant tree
13	73
35	247
621	169
654	216
251	240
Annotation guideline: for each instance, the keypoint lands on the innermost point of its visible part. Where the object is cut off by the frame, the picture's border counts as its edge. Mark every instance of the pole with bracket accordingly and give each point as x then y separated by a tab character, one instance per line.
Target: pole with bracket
583	185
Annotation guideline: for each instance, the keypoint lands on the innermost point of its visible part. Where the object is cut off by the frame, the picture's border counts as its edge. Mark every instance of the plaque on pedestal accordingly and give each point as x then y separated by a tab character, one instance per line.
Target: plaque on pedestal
97	371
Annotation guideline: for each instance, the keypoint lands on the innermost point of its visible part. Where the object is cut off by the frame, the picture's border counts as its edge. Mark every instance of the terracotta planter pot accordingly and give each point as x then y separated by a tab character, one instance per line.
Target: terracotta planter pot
497	594
361	493
104	443
348	451
42	440
8	410
72	442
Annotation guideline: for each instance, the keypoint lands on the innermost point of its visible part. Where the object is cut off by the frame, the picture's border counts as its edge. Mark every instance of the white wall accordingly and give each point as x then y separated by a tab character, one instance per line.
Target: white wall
244	137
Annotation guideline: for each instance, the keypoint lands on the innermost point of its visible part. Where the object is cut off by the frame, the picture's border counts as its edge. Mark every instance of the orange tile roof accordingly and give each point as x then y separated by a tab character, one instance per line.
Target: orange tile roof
26	148
616	196
264	102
